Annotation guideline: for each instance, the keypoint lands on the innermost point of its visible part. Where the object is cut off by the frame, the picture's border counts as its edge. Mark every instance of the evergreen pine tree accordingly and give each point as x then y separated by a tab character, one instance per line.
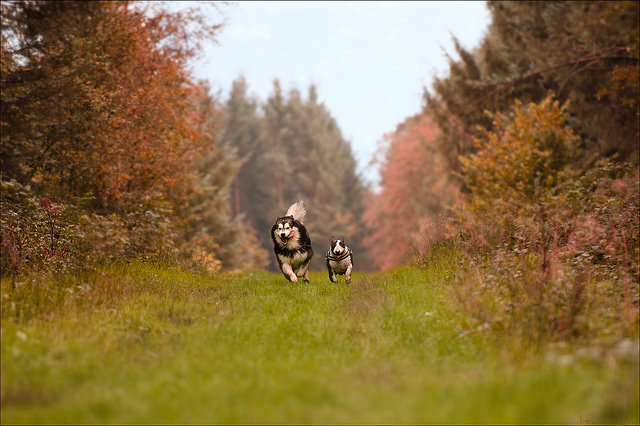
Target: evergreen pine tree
298	153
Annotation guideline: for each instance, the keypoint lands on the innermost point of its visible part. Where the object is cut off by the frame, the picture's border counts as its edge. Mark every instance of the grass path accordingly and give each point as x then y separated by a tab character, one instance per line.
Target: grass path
179	348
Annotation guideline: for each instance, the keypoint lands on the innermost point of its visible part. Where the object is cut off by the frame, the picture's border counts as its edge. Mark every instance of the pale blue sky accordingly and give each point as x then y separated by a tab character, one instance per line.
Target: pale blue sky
369	60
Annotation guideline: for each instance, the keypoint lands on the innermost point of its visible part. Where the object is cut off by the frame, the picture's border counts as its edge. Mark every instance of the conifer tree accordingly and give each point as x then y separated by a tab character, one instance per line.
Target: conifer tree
241	137
299	154
214	231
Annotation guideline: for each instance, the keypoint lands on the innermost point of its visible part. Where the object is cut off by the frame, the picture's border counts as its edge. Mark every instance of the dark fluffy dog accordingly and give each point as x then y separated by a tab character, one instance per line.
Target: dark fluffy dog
291	243
339	260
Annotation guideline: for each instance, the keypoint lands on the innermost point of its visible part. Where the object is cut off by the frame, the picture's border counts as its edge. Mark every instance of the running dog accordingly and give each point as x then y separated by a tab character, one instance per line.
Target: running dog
339	260
291	243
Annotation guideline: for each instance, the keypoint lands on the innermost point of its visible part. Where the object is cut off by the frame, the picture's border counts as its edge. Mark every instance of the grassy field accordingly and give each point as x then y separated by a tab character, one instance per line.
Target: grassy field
148	344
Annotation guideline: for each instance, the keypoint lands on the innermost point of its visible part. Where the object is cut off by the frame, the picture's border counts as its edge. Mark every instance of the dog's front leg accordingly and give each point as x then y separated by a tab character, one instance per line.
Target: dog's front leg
286	269
332	275
347	275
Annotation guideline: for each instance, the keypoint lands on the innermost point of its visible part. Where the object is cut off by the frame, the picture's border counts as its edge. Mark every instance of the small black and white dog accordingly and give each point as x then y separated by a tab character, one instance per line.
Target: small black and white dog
339	260
291	243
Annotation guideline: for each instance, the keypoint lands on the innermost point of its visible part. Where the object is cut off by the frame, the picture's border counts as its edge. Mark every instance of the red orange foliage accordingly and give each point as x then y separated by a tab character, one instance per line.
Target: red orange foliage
415	189
97	100
99	113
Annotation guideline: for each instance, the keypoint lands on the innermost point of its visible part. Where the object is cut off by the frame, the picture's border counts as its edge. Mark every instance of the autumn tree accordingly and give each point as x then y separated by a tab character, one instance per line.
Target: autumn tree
95	100
100	113
415	190
583	52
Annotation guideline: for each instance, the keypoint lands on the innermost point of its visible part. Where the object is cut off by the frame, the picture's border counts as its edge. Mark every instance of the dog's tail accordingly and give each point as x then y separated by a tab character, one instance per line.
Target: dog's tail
298	211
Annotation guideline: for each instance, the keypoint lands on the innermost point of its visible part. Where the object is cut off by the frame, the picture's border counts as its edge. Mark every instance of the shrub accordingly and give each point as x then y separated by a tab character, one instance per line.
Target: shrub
33	232
552	251
39	235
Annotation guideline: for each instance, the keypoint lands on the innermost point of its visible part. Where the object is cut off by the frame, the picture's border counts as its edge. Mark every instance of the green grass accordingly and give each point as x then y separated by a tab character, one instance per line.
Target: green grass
147	344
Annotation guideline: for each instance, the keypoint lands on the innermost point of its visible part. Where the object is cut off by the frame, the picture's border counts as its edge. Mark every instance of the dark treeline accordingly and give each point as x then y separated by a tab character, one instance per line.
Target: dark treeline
290	148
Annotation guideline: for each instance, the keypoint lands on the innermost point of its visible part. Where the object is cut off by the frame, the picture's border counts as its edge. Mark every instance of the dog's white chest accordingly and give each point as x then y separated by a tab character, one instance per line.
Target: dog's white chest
339	263
296	260
340	266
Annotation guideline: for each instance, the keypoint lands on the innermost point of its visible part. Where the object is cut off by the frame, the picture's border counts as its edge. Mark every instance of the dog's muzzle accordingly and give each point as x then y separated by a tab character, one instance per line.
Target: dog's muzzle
286	237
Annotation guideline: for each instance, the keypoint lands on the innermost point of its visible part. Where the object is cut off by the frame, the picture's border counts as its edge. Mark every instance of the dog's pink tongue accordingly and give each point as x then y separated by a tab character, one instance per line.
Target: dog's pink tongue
291	233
